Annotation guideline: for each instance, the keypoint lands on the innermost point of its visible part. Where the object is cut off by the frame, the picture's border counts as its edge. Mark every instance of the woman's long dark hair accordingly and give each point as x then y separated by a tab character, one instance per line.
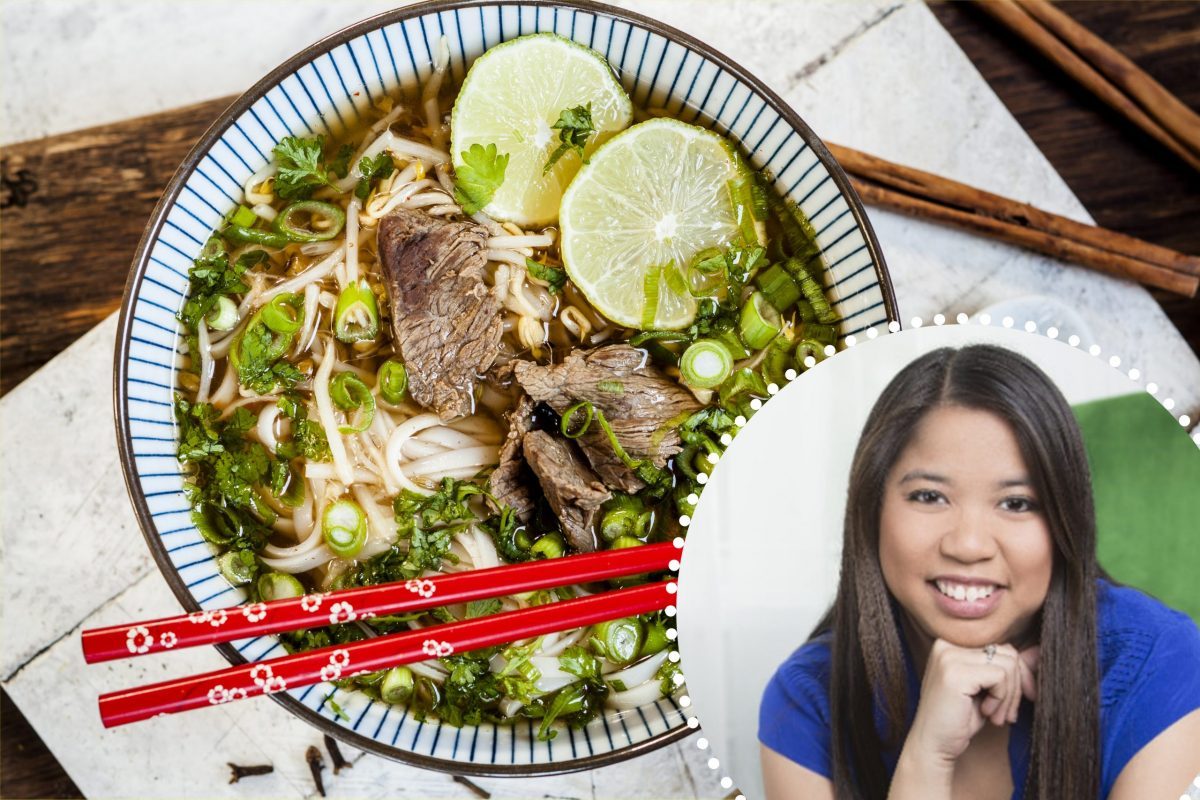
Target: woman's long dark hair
868	659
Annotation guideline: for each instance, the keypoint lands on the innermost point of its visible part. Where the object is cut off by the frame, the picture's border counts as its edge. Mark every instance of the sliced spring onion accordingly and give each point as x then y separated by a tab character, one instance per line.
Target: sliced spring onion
612	387
278	585
743	208
549	545
356	318
392	381
777	361
288	223
284	313
625	542
778	287
566	425
804	311
825	334
349	393
710	261
812	292
245	235
397	685
759	204
809	347
344	526
798	233
620	640
650	293
237	566
706	364
625	515
224	315
656	639
244	217
675	279
759	322
280	342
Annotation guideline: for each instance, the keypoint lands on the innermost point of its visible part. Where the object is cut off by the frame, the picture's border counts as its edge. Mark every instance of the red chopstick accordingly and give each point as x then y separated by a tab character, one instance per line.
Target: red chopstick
310	611
331	663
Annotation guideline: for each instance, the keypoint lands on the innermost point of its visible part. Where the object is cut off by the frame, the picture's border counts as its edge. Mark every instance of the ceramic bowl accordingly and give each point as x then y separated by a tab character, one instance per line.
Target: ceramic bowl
325	87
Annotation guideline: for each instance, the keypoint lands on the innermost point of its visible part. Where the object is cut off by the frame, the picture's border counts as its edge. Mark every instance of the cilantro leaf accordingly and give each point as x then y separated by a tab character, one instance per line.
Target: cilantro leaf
340	165
300	168
308	437
483	608
479	177
373	170
212	277
555	276
580	662
574	126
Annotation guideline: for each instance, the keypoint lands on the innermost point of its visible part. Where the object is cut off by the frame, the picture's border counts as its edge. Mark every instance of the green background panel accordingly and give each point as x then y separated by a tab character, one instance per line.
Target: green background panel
1146	478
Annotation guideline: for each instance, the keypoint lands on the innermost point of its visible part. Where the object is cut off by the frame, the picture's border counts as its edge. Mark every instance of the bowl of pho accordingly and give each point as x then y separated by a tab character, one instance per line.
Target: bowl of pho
463	285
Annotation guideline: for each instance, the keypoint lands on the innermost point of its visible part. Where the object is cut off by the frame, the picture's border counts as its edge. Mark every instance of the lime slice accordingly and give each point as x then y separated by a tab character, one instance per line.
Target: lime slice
649	201
513	93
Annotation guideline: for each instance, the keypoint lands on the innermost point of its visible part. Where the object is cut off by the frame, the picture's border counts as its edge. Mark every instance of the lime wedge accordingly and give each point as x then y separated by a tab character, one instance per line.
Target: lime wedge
649	201
512	96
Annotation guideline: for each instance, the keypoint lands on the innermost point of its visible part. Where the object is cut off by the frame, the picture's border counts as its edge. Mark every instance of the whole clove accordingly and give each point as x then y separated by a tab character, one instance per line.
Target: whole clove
238	771
335	755
478	790
315	764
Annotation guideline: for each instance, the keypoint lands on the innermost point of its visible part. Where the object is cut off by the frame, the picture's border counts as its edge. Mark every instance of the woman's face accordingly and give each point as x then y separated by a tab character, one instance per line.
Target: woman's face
963	543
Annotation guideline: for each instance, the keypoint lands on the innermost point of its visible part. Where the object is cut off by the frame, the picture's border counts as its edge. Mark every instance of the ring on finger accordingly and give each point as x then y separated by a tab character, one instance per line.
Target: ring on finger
989	652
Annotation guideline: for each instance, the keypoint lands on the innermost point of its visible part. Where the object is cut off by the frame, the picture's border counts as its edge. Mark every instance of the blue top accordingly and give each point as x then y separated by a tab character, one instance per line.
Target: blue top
1149	679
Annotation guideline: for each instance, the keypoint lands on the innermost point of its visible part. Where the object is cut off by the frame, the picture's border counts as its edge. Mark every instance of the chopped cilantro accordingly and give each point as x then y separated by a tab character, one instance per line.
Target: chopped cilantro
373	170
308	437
340	165
300	167
212	277
483	608
666	675
574	127
479	177
556	277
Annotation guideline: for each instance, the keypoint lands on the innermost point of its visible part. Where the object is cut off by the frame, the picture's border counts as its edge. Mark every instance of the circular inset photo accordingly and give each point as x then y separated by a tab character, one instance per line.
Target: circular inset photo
954	561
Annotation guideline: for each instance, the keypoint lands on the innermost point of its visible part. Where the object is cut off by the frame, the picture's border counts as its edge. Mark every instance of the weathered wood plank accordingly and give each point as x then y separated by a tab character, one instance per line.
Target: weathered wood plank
74	209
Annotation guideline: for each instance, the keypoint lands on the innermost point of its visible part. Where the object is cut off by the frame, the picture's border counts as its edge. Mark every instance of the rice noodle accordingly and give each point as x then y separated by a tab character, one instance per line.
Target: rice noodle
633	698
265	211
329	472
328	421
301	562
394	452
511	242
454	459
266	426
206	365
352	209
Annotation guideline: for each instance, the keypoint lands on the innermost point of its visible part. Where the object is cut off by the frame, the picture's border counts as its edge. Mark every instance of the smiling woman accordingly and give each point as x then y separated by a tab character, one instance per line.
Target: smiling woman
969	559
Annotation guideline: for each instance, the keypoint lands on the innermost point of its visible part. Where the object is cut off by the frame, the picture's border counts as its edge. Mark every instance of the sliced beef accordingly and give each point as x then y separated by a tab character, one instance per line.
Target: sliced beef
445	318
507	484
636	398
574	492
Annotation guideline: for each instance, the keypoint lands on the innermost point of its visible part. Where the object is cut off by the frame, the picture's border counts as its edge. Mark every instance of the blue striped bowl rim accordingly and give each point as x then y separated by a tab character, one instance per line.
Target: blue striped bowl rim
324	89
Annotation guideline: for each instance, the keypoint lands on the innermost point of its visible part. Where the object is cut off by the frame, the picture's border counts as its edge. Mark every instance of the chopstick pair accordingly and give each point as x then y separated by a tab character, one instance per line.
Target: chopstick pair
358	658
922	194
1104	71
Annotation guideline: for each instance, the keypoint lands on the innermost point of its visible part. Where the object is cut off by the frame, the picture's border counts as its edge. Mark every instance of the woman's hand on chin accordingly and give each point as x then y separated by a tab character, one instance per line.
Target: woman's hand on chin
961	691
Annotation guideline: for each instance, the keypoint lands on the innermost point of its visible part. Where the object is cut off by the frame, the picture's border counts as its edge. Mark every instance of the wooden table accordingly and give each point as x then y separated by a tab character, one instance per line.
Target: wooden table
75	281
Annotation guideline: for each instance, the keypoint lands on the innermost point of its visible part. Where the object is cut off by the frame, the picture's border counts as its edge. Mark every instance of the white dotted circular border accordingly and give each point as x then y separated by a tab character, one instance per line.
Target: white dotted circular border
938	320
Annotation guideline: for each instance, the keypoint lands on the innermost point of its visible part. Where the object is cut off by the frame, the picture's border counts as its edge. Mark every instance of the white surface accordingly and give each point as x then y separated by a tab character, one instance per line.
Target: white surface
880	76
758	573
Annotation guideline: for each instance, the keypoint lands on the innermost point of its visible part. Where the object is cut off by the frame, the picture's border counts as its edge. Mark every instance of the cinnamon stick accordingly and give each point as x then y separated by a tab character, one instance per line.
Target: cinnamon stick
1041	241
1166	109
938	189
1026	26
